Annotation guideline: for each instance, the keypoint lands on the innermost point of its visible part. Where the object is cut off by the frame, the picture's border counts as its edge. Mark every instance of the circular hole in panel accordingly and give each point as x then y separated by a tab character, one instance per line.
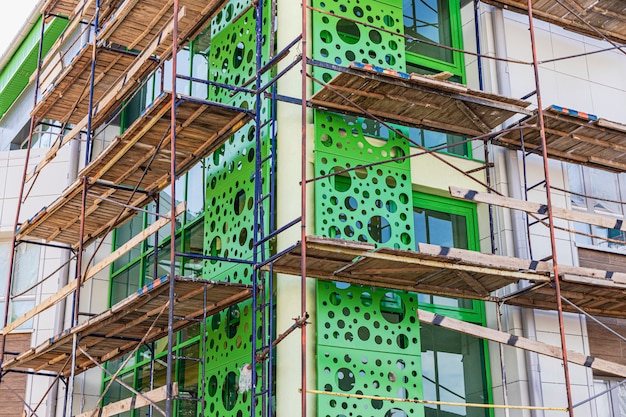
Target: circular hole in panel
391	206
379	229
335	298
229	391
392	307
348	231
327	141
351	203
215	248
240	202
405	238
243	236
403	198
326	36
364	333
400	364
348	31
390	59
333	231
350	56
391	182
358	12
377	404
345	379
212	385
402	341
375	36
388	21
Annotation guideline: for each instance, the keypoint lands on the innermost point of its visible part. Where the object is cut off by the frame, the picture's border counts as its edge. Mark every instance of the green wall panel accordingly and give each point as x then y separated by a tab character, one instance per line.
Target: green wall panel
340	39
371	204
368	343
232	58
228	349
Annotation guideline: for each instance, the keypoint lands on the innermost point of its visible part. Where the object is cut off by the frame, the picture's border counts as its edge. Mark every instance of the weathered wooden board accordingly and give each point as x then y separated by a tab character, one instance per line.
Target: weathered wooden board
416	100
141	316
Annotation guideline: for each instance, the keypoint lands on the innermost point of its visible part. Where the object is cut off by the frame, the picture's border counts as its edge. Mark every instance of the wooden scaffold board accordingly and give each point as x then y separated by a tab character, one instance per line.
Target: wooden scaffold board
575	137
118	330
83	8
457	273
65	96
139	158
416	100
136	22
604	16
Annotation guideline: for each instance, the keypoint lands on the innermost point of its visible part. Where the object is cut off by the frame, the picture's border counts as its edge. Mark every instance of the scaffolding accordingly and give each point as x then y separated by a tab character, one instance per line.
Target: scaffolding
121	43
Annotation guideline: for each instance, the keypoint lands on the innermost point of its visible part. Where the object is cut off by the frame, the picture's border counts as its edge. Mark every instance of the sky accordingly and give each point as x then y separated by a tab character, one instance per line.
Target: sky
13	14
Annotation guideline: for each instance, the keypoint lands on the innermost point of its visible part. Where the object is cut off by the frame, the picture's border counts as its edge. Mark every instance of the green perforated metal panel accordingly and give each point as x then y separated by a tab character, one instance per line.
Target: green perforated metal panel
340	38
368	343
228	349
233	9
370	204
233	59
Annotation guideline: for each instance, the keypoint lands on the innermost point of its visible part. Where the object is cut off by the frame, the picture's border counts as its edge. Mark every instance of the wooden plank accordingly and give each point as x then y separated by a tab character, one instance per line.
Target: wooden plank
427	262
596	364
538	208
69	288
486	259
127	404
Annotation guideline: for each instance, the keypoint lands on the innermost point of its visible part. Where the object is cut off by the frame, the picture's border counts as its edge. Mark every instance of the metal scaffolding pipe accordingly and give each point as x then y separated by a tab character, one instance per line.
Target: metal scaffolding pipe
544	151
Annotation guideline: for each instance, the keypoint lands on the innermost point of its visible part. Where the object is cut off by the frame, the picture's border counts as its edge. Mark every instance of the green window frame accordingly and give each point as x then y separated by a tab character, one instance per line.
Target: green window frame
437	384
437	21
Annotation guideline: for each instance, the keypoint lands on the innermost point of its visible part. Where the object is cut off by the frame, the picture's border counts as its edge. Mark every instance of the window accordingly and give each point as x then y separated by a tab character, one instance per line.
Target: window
435	22
612	403
25	275
600	192
445	222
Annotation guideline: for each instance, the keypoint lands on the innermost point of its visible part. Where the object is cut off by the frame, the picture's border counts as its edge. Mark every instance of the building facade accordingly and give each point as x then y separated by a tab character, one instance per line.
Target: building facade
348	124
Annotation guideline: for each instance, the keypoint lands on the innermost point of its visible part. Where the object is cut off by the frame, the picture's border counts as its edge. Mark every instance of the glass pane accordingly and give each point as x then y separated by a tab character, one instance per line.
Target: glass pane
603	403
118	392
19	308
453	370
145	383
440	228
604	185
574	174
188	381
5	250
443	141
195	192
123	234
429	21
26	268
194	243
200	70
125	283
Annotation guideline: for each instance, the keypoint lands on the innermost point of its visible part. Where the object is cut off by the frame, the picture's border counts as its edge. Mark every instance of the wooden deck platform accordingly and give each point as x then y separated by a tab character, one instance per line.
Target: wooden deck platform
457	273
201	129
65	92
136	22
119	329
416	100
83	8
606	16
575	137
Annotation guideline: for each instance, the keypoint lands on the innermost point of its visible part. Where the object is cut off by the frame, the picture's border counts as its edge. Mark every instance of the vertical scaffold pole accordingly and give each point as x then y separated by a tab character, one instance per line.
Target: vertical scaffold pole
303	203
258	293
91	85
7	294
544	152
170	317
